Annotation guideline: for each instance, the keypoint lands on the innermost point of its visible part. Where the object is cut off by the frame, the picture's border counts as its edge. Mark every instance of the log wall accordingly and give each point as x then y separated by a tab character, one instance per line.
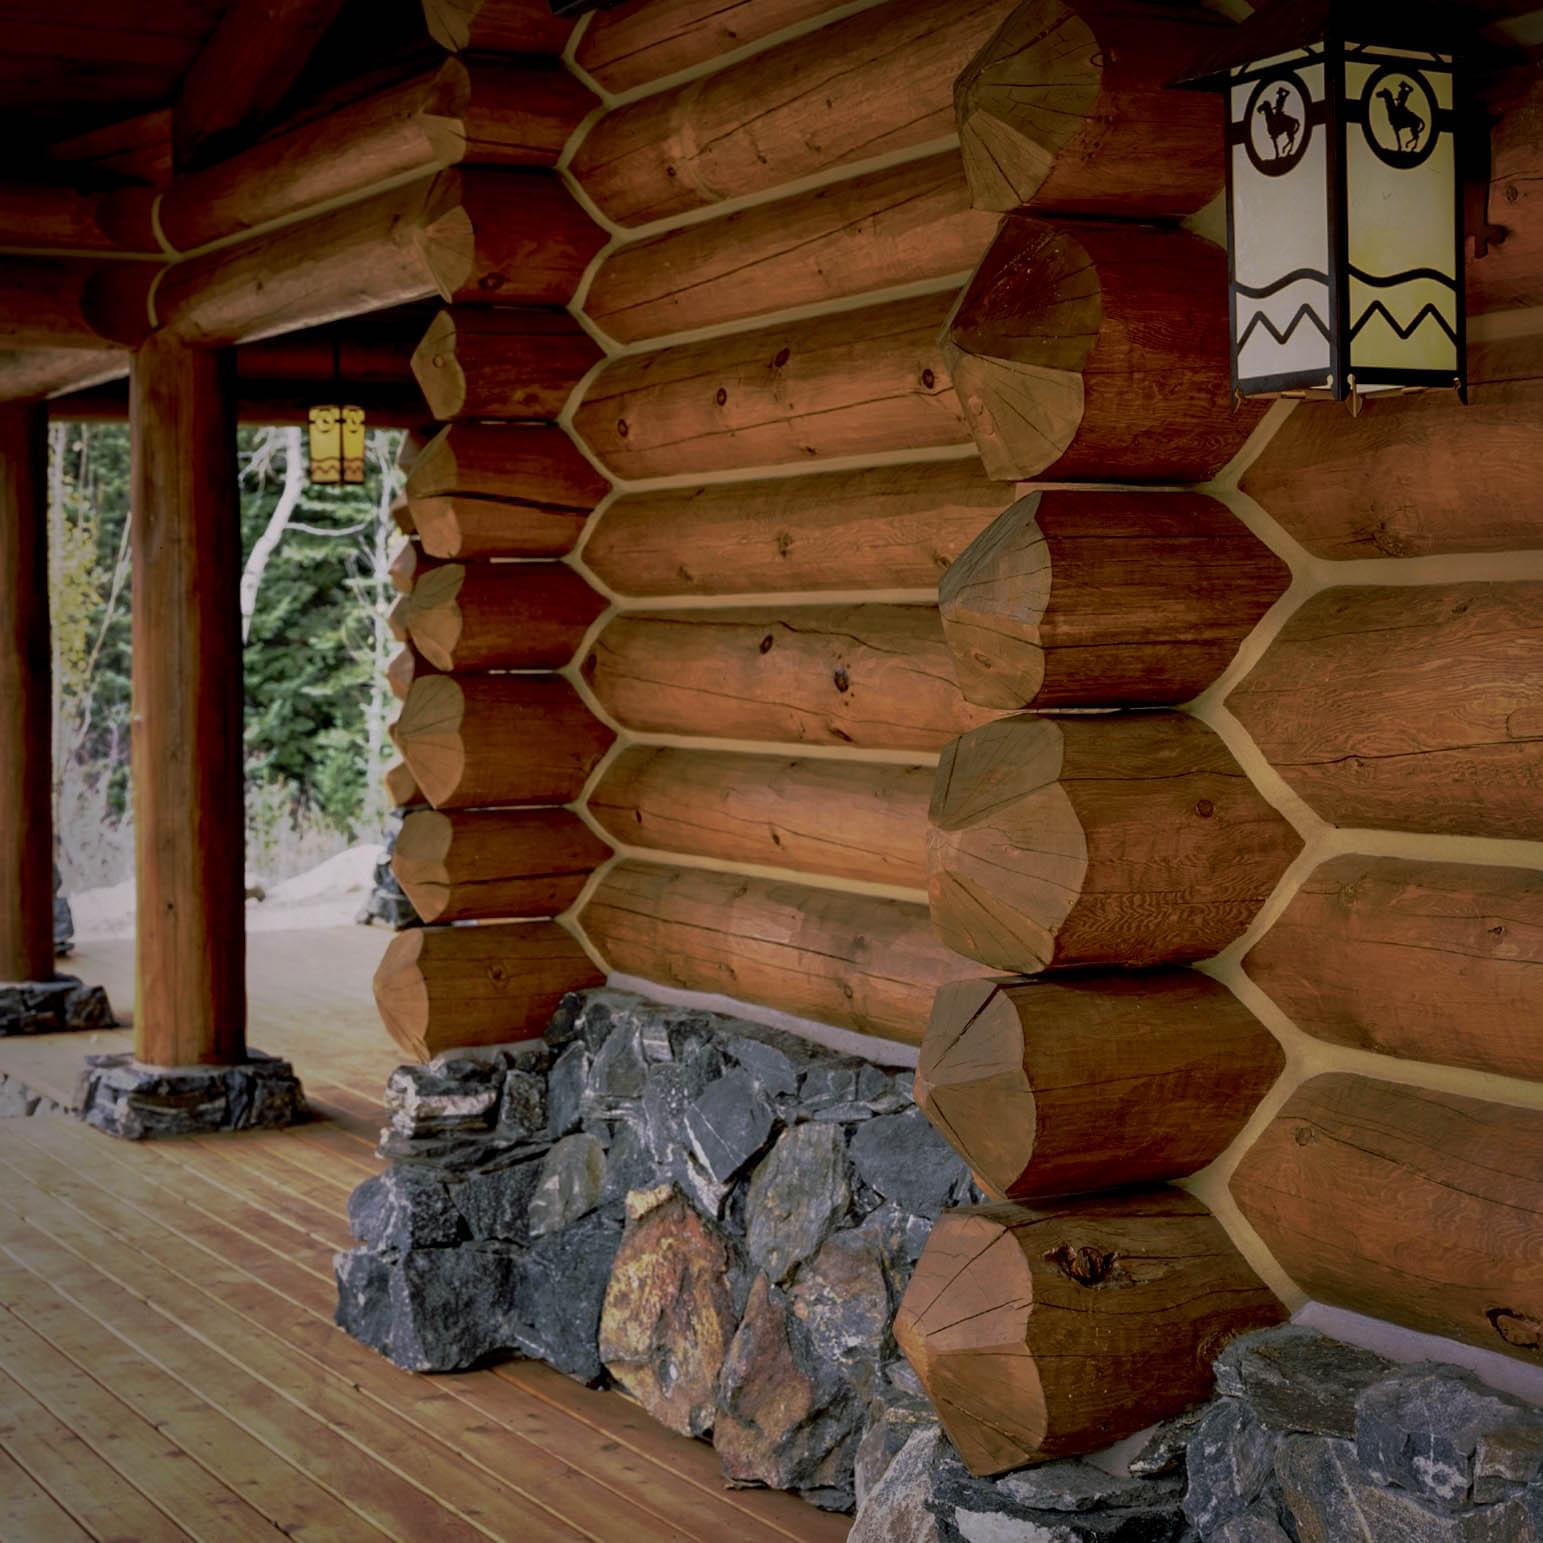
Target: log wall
825	377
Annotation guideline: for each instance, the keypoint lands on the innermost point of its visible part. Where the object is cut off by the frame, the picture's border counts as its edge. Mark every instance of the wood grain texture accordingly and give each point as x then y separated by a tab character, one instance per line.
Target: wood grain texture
1510	273
903	225
849	960
500	616
888	527
501	490
502	362
496	26
630	45
472	740
442	987
1051	1331
1068	107
70	303
478	864
1428	961
406	665
402	790
1416	475
1105	600
188	779
835	97
1409	708
1420	1207
869	676
410	564
1124	840
26	701
42	218
844	819
1098	351
856	384
1057	1087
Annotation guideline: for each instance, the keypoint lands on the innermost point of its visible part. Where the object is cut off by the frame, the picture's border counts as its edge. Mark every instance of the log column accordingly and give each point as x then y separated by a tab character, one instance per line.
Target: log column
190	1000
26	734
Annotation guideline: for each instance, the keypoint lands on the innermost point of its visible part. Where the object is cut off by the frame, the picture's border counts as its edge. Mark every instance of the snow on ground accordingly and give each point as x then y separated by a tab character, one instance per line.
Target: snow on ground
329	895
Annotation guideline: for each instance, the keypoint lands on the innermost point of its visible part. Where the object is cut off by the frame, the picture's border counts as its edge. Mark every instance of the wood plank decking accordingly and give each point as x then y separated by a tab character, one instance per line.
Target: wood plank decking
168	1363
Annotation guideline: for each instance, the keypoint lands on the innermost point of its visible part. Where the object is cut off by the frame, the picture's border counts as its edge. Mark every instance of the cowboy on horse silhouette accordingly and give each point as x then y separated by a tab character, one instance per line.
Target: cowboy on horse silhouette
1279	123
1400	119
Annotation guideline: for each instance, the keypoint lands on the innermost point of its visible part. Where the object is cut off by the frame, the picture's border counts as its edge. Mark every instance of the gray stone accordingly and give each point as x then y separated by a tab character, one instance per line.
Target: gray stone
1229	1461
905	1160
901	1237
728	1124
1297	1379
842	1114
841	1297
592	1016
570	1184
616	1074
463	1152
17	1100
706	1192
496	1205
669	1090
629	1164
772	1070
1262	1522
565	1089
1163	1453
1334	1498
402	1209
1505	1457
522	1111
53	1007
117	1095
828	1082
893	1418
562	1283
457	1095
429	1310
1419	1429
1073	1485
798	1193
896	1509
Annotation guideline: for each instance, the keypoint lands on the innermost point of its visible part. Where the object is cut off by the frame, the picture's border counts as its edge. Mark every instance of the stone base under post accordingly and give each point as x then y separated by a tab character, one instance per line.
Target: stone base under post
118	1095
52	1006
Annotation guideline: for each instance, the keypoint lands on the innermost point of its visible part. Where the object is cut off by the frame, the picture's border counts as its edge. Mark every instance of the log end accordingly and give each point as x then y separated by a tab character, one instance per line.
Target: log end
437	369
433	619
402	994
401	786
428	734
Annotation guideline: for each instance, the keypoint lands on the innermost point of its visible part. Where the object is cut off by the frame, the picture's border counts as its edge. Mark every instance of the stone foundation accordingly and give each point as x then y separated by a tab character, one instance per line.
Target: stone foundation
715	1215
53	1006
1311	1441
119	1096
18	1101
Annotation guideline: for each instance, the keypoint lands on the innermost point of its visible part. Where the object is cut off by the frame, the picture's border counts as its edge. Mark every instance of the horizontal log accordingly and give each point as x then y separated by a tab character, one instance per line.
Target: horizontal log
402	790
1068	107
1401	1203
494	112
60	302
58	218
1409	708
409	565
474	740
496	26
1105	600
502	490
886	527
1414	475
505	362
646	40
494	862
439	988
848	960
38	372
500	616
875	677
1510	272
1058	1087
903	225
1098	351
1124	840
834	97
405	666
857	384
1053	1331
845	819
1429	961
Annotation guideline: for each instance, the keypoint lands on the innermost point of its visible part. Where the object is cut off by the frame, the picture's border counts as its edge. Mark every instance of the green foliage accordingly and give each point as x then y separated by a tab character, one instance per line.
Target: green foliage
313	658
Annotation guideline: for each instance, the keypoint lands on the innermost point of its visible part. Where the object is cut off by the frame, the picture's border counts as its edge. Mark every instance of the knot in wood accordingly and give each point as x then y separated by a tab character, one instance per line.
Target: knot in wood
621	427
1205	808
768	643
929	380
1304	1135
1516	1328
1086	1265
842	679
722	396
783	355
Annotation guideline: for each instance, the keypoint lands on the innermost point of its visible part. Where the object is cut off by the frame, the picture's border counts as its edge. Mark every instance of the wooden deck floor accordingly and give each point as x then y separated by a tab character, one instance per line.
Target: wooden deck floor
168	1363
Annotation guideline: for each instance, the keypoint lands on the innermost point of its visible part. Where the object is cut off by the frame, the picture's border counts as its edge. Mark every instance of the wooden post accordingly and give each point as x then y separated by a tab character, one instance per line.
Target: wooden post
26	723
190	1002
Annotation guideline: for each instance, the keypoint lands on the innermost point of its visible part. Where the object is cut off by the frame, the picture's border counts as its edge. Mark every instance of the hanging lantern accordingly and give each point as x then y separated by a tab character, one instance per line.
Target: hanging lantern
337	435
1344	207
